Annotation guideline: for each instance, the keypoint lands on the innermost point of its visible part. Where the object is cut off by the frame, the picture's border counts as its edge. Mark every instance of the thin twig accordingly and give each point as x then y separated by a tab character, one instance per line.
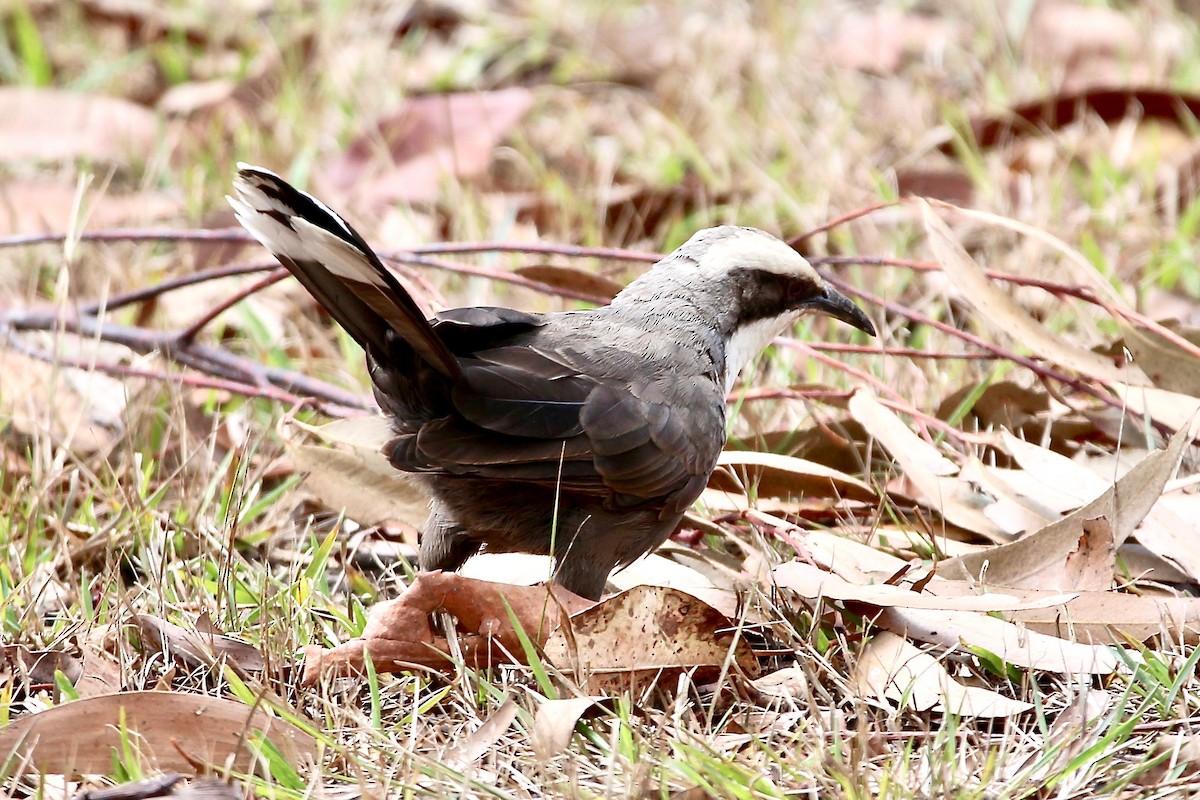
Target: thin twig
1029	363
191	331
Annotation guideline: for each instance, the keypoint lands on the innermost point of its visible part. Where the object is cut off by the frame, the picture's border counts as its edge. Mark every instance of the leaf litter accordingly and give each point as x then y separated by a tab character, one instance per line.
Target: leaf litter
924	555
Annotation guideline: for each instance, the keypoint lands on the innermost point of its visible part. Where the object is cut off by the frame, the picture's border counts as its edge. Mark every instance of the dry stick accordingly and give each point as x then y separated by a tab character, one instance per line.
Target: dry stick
234	235
198	381
1085	293
842	220
171	284
189	333
896	401
415	256
906	352
211	360
1029	363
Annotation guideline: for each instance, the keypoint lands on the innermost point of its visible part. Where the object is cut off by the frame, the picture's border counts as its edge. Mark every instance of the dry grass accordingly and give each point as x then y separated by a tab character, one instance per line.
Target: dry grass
139	497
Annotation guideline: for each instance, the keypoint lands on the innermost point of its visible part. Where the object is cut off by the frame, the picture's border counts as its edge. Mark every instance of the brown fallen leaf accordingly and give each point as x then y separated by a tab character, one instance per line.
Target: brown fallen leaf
647	634
1111	617
355	477
101	672
56	125
774	475
1172	530
399	634
880	41
949	185
1012	643
931	472
1036	560
426	141
674	632
1051	479
814	583
1075	729
1173	409
196	649
1082	44
787	684
40	399
574	279
34	670
172	731
1180	757
1168	365
892	669
555	721
1057	111
41	205
483	738
1000	311
1090	566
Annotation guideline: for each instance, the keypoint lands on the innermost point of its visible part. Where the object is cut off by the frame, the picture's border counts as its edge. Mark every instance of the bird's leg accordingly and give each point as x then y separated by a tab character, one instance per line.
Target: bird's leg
444	545
582	574
583	559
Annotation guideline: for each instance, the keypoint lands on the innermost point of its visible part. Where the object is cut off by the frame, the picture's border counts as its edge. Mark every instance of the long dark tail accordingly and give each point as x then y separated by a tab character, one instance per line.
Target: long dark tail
334	263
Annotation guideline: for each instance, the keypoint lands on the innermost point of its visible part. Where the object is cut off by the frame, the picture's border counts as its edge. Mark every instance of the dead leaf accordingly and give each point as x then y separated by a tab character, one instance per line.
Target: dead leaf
197	649
1012	643
1002	405
40	399
101	672
647	633
1050	478
483	738
1180	754
34	670
1091	564
880	41
56	125
1108	617
1084	45
773	475
891	668
355	477
1036	560
1057	111
656	570
999	310
1168	365
1176	411
399	633
574	279
949	185
928	469
1075	729
1172	530
555	721
40	205
168	730
427	141
815	583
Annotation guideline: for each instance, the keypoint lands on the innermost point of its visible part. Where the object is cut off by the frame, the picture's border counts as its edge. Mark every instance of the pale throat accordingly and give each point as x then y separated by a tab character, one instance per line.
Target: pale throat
748	341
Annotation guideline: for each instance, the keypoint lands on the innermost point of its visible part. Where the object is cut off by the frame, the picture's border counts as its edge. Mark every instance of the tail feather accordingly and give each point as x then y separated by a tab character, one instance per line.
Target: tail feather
336	266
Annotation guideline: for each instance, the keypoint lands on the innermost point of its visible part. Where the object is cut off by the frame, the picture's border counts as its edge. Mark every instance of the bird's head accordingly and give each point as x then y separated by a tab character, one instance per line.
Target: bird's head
753	284
766	278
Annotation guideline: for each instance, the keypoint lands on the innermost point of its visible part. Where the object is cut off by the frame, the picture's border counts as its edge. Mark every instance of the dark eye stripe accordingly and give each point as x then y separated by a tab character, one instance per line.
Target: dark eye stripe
761	294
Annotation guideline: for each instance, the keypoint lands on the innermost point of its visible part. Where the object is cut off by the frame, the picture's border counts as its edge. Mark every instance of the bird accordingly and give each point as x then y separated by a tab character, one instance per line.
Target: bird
583	434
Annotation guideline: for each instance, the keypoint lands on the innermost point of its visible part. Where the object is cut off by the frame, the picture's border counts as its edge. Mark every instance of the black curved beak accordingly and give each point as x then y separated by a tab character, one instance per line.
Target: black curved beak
834	304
